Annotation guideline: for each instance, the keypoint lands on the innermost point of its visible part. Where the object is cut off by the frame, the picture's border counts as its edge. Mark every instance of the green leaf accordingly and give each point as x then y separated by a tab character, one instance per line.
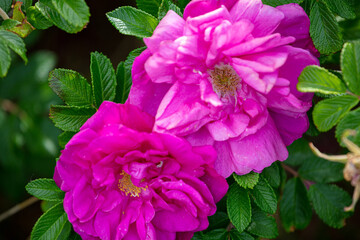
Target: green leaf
218	220
149	6
295	209
299	151
14	42
45	189
264	196
9	24
70	118
46	205
236	235
167	5
247	181
275	3
26	4
51	224
5	59
272	175
327	113
131	57
317	79
329	202
321	171
132	21
238	207
324	29
68	15
124	83
5	5
342	8
350	65
262	225
71	87
103	78
217	234
36	19
350	121
64	138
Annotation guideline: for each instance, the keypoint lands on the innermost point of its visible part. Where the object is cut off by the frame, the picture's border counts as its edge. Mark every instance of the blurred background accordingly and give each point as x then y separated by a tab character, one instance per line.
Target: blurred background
28	139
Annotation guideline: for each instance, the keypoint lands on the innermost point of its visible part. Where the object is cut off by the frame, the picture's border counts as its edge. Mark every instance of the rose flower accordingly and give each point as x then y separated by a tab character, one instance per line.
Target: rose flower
225	75
122	181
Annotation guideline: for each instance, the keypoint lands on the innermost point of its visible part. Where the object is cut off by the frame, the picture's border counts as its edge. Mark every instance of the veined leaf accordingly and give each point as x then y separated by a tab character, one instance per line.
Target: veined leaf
5	59
132	21
329	202
71	87
5	5
236	235
45	189
317	79
262	225
264	196
272	175
350	65
247	181
36	19
342	8
149	6
14	42
350	121
327	113
70	118
324	29
295	209
275	3
167	5
238	207
103	78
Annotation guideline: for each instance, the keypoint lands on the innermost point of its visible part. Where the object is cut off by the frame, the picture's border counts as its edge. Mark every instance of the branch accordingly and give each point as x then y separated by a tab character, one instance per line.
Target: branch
290	170
3	14
17	208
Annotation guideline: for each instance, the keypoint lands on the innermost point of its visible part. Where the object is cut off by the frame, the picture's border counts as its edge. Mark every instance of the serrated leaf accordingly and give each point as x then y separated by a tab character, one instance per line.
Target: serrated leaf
124	82
321	171
272	175
36	19
217	234
318	79
46	205
236	235
167	5
50	224
5	59
342	8
299	151
103	78
70	118
350	121
64	138
262	225
25	4
295	209
275	3
14	42
9	23
5	5
45	189
329	202
327	113
218	220
70	16
149	6
71	87
324	29
247	181
264	196
132	21
350	65
131	57
238	207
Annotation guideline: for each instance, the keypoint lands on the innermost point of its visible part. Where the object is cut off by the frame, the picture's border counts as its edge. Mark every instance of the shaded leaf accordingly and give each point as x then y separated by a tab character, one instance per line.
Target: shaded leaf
149	6
264	196
350	65
350	121
45	189
167	5
248	180
262	225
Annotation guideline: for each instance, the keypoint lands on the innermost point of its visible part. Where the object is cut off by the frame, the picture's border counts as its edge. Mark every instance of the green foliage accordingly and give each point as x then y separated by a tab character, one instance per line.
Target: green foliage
247	181
295	209
324	29
262	225
264	196
236	235
350	65
238	207
64	138
45	189
149	6
167	5
9	40
132	21
52	225
276	3
329	202
70	118
71	87
70	16
5	5
350	121
342	8
317	79
36	19
272	174
327	113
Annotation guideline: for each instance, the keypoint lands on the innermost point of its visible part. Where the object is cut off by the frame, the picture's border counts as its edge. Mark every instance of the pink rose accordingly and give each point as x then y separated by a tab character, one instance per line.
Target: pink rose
122	181
225	75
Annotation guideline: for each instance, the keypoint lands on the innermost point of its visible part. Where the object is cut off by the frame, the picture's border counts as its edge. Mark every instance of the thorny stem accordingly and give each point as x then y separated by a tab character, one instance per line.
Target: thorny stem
17	208
337	158
3	14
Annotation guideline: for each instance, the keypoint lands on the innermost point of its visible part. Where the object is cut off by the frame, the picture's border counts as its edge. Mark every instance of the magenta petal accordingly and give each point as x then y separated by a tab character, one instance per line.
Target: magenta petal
246	9
262	24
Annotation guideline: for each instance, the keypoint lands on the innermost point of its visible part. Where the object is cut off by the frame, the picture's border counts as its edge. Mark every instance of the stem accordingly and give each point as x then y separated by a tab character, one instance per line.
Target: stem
352	94
3	14
335	158
17	208
290	170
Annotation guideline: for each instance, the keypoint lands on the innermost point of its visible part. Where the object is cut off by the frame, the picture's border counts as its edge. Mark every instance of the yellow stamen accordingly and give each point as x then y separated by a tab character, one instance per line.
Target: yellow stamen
126	186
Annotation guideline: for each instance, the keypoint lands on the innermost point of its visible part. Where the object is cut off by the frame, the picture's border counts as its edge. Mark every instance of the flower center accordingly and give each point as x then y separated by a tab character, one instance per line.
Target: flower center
126	185
225	81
